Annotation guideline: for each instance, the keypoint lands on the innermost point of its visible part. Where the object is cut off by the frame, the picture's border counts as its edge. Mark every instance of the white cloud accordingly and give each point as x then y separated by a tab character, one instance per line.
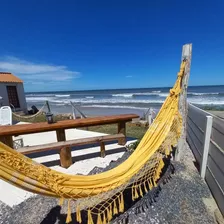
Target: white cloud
128	76
36	74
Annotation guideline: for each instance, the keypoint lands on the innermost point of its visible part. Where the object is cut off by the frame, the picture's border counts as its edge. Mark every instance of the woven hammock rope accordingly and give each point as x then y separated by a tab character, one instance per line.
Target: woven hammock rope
29	118
101	195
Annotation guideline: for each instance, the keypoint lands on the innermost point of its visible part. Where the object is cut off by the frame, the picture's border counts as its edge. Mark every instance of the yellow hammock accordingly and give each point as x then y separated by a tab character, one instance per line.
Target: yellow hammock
139	172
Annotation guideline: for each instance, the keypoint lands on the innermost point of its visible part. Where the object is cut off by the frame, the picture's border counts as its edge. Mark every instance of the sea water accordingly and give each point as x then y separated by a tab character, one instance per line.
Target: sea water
119	101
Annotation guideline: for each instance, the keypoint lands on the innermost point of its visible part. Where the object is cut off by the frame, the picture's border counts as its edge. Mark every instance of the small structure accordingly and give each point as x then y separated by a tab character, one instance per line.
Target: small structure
12	92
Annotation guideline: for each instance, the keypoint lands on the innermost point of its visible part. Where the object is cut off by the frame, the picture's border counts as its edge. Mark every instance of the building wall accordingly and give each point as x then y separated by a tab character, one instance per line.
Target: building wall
20	92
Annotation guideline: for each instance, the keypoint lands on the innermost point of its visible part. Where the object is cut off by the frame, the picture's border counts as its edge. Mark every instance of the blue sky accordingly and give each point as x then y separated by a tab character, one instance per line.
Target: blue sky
86	44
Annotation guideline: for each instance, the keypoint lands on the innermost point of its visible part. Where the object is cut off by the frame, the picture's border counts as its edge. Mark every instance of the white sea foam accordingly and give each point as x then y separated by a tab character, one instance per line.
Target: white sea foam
156	91
206	101
68	95
129	95
89	97
152	94
38	99
115	101
39	95
201	94
123	95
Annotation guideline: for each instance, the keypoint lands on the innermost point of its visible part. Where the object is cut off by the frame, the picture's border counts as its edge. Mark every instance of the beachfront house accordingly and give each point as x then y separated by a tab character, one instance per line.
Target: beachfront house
12	92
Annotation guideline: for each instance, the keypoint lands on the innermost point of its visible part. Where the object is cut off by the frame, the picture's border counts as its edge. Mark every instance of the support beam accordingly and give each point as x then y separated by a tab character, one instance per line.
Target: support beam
186	55
65	152
102	149
60	135
208	131
122	130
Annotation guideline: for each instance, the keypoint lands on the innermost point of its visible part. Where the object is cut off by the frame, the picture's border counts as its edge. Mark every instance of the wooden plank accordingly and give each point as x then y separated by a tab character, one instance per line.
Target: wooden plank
195	139
186	56
70	143
7	140
218	124
66	124
217	155
194	149
218	132
217	193
198	116
66	157
122	130
196	130
216	171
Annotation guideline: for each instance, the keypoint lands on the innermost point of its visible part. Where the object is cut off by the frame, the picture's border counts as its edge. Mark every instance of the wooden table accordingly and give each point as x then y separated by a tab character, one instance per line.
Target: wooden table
7	132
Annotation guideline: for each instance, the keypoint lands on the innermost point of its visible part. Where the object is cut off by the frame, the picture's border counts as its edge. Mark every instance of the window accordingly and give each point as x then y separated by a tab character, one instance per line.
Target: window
13	96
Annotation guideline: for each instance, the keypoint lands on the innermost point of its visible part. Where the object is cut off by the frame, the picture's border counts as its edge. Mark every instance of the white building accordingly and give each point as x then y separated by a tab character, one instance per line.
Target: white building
12	92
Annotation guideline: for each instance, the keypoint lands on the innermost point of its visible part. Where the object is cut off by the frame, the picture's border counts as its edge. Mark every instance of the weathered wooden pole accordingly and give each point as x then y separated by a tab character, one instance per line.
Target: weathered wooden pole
48	107
186	55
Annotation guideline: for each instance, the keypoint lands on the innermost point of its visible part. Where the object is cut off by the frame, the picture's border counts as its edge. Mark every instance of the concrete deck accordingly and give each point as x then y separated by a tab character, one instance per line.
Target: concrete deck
86	157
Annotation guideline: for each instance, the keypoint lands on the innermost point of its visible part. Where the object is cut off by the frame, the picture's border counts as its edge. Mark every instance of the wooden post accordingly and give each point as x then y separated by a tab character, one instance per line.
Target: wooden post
60	135
207	136
102	149
65	152
7	140
186	55
122	130
66	157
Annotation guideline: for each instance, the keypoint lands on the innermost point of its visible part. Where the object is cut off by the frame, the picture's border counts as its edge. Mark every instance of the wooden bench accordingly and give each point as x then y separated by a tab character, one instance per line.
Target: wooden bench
6	133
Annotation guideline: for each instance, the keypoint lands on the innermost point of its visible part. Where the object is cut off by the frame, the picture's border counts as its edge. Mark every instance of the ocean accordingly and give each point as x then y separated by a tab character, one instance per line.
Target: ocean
119	101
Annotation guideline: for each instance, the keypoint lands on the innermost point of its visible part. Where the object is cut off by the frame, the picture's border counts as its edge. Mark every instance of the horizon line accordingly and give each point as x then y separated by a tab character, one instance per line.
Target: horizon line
116	89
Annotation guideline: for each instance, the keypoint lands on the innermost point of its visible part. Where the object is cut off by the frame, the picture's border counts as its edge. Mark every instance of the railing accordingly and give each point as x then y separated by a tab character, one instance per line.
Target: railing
6	133
205	136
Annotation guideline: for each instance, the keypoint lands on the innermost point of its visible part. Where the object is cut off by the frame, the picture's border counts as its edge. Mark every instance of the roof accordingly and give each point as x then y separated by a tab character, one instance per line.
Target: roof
9	77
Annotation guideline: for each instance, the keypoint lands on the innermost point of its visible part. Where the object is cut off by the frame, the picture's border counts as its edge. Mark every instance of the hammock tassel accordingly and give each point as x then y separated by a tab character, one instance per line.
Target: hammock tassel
90	219
150	184
109	215
69	216
132	193
115	208
61	201
78	215
121	202
140	190
136	193
99	220
145	188
154	182
104	218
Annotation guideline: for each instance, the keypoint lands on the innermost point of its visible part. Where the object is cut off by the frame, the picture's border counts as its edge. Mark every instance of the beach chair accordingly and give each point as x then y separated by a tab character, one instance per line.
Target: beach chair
6	119
5	115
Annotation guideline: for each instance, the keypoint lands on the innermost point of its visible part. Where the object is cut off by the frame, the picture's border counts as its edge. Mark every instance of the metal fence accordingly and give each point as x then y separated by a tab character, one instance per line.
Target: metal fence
205	136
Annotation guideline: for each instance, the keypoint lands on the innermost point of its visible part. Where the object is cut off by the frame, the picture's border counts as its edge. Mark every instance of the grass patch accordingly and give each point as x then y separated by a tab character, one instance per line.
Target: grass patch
131	130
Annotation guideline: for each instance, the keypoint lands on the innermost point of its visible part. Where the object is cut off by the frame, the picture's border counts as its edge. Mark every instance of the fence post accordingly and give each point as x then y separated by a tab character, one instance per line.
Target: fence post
48	107
73	113
207	136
